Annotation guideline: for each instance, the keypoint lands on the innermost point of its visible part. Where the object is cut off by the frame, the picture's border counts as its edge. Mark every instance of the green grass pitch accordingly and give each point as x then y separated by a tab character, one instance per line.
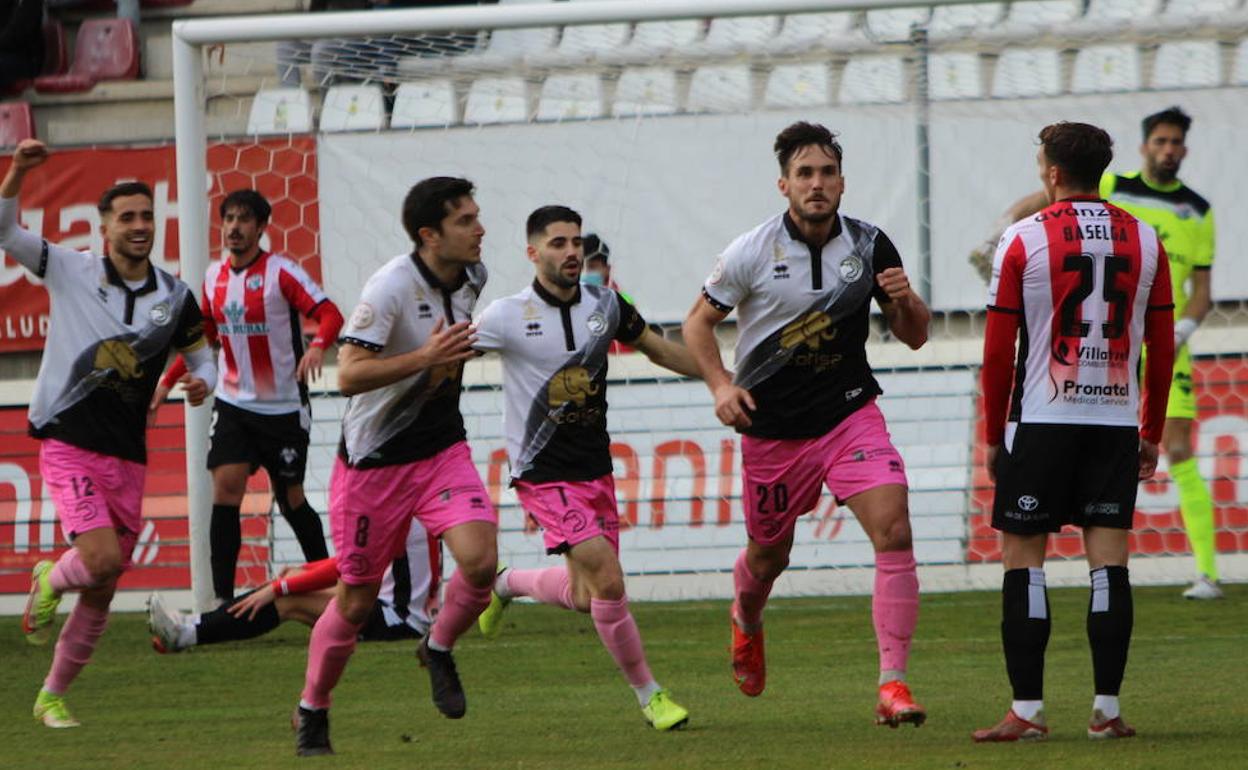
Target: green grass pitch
546	695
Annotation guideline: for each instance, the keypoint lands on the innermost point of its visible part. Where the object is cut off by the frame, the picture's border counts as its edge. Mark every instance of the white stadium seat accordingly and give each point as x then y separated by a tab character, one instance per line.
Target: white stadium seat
800	31
424	104
797	85
1189	10
1022	72
950	20
652	38
739	34
1043	14
645	91
873	80
1188	64
280	111
353	108
894	24
497	100
721	88
954	75
1102	68
570	97
1121	10
1240	74
585	42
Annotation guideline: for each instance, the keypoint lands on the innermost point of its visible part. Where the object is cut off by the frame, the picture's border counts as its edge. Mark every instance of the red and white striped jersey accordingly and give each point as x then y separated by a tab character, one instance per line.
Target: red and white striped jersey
1082	275
254	313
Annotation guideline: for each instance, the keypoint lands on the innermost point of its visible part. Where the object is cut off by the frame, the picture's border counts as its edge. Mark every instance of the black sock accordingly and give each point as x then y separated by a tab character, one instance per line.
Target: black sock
1025	627
1110	617
220	626
307	527
225	538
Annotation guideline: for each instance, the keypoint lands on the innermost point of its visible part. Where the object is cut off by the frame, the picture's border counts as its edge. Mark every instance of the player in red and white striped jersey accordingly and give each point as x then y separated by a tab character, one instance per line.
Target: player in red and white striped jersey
1081	285
251	304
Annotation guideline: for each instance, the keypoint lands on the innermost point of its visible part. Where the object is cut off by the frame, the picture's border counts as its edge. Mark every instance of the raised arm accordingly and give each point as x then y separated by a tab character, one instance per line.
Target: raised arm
981	256
21	244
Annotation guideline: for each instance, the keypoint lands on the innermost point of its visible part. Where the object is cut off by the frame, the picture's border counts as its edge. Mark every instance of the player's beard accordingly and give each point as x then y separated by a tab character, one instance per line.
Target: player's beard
1164	174
816	218
554	274
128	252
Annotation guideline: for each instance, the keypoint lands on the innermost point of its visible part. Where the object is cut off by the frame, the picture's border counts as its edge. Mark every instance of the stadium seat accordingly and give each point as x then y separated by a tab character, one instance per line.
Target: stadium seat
1188	64
797	85
1121	10
732	35
801	31
17	122
1042	14
280	111
645	91
721	88
1022	72
570	97
656	38
1239	76
954	75
895	24
55	51
582	43
955	20
873	80
497	100
106	49
353	108
1197	10
507	46
424	104
1102	68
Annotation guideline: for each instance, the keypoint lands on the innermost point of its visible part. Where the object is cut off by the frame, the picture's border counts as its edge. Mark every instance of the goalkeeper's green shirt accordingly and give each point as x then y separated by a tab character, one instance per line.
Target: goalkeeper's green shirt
1183	219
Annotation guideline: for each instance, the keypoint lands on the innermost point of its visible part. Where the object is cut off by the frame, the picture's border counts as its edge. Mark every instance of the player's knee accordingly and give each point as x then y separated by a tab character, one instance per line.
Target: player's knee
480	572
104	566
895	536
768	566
611	589
355	609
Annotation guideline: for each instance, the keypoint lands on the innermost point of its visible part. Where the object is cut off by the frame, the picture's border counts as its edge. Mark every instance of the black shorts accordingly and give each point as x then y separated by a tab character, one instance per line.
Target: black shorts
276	442
379	628
1086	475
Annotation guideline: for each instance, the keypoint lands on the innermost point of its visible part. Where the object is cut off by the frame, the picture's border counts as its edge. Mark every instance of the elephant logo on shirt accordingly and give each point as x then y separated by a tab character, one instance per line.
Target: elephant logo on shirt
572	384
811	329
120	357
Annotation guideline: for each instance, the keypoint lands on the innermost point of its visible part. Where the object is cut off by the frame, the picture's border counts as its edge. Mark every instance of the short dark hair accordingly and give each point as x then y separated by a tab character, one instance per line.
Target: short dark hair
429	201
546	216
1083	151
247	200
802	134
123	190
1171	116
596	248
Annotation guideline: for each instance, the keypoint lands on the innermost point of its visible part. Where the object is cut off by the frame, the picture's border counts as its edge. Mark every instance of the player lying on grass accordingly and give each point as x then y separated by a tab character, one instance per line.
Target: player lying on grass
403	610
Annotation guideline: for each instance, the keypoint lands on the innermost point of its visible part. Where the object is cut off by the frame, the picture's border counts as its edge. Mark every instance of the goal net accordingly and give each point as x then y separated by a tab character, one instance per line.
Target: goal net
655	120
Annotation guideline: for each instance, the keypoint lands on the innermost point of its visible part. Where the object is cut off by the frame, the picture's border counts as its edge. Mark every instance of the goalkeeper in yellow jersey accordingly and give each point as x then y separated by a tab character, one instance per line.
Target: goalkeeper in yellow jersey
1184	220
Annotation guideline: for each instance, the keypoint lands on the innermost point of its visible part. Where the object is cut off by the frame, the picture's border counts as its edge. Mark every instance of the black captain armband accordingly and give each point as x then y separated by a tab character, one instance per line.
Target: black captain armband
721	307
369	346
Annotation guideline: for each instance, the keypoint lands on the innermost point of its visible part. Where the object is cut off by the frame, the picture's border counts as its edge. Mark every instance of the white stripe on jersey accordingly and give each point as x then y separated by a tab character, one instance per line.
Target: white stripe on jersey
422	597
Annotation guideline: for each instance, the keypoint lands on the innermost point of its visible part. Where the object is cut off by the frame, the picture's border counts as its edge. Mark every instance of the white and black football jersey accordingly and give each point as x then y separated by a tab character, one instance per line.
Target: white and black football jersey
803	313
418	416
108	342
555	377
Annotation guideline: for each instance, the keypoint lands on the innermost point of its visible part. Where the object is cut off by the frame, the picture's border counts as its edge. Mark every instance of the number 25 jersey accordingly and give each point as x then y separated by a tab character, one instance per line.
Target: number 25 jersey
1082	273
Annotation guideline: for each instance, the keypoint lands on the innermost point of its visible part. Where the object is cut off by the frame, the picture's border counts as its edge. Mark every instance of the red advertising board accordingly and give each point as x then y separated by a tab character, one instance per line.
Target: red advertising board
59	201
1222	424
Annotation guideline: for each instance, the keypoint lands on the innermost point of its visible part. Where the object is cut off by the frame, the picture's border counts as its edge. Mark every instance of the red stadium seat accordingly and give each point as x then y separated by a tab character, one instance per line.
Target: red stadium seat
107	49
16	123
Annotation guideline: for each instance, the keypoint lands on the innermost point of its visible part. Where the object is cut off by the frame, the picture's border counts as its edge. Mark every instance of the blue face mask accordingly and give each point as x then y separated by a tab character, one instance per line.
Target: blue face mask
590	278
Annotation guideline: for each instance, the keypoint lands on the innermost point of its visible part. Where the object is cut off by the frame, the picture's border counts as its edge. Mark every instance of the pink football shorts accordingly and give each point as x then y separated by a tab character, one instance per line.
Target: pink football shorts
94	491
371	509
782	477
571	512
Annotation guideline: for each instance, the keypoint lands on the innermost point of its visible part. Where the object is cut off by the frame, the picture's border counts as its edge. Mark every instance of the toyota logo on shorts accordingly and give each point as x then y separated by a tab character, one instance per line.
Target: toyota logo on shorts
1028	503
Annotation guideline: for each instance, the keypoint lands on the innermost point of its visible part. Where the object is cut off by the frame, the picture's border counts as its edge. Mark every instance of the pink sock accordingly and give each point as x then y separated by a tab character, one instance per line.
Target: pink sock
895	607
329	649
619	634
751	595
70	574
75	645
552	585
464	602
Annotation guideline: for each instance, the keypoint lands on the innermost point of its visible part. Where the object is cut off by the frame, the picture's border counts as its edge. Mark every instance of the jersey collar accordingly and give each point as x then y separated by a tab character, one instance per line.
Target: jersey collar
434	282
791	228
1089	198
551	299
115	278
260	256
1175	185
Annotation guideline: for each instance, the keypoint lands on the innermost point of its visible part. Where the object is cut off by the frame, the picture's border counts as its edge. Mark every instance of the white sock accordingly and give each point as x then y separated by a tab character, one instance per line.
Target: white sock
1028	709
188	635
303	704
1107	705
646	692
891	675
435	646
500	584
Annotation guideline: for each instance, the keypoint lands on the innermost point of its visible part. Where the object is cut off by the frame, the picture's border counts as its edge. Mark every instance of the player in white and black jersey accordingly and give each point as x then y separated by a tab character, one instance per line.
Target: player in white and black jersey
403	451
554	338
114	320
804	397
